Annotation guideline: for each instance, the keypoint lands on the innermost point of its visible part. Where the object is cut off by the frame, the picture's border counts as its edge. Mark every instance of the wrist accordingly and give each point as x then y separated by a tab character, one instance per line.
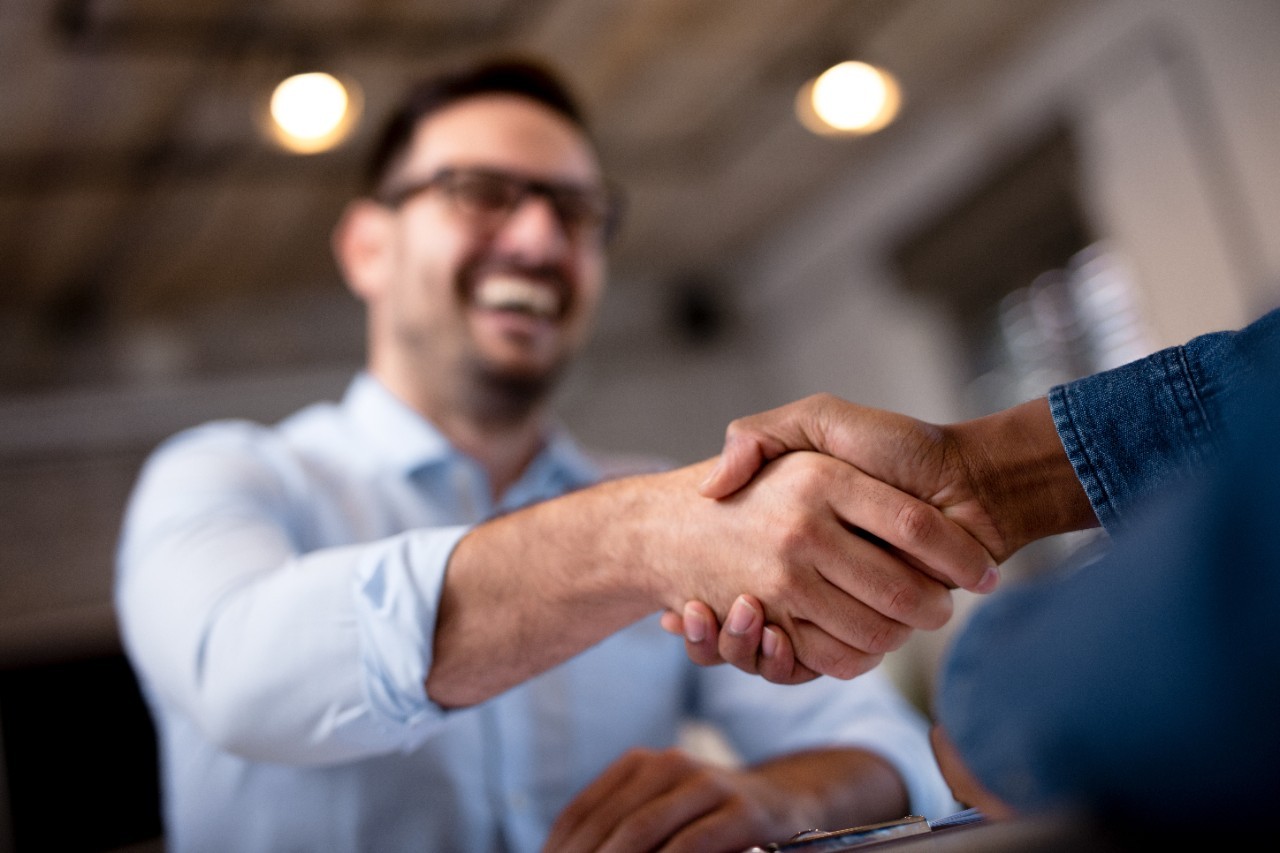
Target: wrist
658	512
1021	474
528	590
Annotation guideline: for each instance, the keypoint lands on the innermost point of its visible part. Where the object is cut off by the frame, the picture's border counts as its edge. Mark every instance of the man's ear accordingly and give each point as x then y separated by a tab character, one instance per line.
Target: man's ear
361	243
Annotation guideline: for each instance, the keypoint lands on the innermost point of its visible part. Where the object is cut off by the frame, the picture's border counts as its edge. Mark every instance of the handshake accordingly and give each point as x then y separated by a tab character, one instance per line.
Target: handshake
822	536
875	517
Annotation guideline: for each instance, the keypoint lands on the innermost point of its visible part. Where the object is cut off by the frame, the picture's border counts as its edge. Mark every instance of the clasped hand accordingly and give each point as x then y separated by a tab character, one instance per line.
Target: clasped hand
912	527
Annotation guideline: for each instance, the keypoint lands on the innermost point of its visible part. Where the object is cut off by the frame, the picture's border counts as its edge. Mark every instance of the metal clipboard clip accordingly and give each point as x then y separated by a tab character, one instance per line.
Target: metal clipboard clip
817	841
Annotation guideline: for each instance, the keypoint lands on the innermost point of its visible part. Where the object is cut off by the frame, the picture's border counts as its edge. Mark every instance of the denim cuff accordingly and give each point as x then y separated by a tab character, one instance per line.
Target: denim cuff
1133	429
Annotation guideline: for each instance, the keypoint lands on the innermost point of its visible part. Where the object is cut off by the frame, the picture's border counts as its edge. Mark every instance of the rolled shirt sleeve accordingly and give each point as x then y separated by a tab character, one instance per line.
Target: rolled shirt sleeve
280	651
396	602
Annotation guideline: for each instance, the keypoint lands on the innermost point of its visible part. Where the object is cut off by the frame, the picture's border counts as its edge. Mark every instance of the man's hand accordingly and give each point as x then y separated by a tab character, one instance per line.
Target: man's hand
670	801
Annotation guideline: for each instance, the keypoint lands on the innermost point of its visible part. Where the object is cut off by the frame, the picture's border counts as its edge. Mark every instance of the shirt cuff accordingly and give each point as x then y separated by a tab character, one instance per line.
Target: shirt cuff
397	599
1131	430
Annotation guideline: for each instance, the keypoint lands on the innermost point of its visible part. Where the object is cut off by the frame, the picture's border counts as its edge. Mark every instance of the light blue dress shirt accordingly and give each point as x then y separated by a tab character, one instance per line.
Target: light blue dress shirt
277	590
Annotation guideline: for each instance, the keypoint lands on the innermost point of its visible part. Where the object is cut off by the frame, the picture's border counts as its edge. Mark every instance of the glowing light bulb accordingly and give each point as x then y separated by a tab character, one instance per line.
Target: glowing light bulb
849	98
311	112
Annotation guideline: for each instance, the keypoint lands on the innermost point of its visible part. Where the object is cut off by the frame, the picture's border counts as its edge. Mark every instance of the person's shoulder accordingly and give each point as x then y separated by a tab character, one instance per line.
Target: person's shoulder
244	436
222	433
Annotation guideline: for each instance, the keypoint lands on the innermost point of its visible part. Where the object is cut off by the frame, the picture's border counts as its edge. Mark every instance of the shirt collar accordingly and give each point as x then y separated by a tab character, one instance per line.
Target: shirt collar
409	442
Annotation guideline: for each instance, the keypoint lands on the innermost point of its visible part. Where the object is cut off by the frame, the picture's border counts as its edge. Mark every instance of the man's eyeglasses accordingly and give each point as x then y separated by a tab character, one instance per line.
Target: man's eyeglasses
488	197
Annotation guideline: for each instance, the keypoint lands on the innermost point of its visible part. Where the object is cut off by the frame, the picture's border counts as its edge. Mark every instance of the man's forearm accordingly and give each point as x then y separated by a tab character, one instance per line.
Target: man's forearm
529	590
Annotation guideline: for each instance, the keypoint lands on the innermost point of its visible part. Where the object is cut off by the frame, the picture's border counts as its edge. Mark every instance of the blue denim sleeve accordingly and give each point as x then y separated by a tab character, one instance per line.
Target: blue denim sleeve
1133	430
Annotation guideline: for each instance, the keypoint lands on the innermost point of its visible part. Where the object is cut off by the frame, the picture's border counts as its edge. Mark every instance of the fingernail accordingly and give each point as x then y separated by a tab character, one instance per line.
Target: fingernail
740	618
769	642
989	581
695	627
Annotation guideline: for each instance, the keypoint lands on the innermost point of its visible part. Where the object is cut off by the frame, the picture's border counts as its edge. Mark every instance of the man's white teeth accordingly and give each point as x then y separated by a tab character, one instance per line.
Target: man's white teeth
501	293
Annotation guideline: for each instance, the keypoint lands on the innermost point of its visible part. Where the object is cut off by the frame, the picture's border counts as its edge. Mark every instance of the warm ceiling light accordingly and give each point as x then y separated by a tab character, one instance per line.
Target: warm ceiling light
312	112
849	98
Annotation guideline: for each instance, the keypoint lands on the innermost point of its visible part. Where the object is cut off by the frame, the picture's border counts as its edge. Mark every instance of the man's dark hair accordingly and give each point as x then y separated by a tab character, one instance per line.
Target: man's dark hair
529	78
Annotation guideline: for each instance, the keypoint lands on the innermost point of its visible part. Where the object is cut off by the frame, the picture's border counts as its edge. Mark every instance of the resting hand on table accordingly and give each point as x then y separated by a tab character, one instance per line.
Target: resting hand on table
671	801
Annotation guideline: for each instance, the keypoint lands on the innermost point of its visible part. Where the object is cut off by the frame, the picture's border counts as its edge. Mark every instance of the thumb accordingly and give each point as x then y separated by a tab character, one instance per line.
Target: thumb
740	459
752	441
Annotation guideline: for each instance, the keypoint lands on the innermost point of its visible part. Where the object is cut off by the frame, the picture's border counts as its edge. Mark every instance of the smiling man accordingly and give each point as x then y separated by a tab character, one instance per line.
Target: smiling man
424	618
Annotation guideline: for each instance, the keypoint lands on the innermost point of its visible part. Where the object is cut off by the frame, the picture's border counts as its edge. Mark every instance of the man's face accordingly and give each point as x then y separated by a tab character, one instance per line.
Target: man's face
500	296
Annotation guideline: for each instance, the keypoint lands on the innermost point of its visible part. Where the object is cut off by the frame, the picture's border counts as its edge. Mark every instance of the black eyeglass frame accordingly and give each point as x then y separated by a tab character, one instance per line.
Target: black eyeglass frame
612	200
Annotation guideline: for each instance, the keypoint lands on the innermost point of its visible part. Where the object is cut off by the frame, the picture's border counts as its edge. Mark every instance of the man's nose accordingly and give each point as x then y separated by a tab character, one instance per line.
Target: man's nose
533	230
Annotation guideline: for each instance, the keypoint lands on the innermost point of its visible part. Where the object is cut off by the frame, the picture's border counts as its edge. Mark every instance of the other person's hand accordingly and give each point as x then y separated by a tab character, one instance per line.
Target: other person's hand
671	801
920	459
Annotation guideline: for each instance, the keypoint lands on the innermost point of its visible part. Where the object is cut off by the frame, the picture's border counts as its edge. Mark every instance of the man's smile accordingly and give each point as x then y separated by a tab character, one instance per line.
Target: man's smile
515	293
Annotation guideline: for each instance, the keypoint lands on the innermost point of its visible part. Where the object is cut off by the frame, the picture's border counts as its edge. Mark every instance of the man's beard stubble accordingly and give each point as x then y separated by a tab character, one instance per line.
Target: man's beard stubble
504	397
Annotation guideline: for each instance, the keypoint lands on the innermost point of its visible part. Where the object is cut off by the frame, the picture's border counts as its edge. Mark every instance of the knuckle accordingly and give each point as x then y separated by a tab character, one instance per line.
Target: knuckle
777	675
792	539
820	661
740	657
887	637
639	755
811	472
828	660
915	521
905	602
836	660
851	666
921	604
820	400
